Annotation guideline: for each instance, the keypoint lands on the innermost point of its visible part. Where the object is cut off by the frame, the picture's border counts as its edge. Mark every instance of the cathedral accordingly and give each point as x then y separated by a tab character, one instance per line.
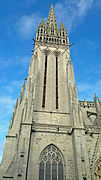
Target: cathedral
52	135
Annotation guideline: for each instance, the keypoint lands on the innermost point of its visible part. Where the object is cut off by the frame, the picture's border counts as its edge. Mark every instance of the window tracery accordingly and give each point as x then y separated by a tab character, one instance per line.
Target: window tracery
51	165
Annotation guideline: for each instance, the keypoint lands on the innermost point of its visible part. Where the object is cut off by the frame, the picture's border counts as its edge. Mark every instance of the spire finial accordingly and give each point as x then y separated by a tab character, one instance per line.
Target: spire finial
51	5
51	22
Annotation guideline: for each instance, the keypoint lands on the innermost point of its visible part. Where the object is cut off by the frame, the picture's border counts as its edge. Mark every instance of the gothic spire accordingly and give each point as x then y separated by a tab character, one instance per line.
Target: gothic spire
49	32
51	24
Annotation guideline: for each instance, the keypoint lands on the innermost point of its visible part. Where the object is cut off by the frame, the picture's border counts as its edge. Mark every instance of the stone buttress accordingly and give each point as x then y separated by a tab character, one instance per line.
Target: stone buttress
52	136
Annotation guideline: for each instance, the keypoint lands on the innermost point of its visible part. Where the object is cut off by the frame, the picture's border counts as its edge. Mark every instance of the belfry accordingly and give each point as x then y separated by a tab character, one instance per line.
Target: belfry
52	135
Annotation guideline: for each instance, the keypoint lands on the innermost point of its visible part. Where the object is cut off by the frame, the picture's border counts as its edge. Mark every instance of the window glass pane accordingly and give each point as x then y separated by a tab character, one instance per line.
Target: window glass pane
49	156
54	171
48	171
60	171
49	148
41	171
53	155
53	149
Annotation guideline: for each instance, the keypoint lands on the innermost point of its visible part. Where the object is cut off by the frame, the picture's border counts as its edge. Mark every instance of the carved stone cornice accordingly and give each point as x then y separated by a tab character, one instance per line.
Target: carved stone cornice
36	127
91	129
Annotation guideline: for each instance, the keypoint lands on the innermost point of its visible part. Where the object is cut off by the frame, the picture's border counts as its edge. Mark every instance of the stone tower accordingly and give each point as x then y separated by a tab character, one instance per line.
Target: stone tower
52	136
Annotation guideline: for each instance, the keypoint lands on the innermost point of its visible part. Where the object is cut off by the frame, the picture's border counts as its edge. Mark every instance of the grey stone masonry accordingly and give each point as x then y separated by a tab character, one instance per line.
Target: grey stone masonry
52	136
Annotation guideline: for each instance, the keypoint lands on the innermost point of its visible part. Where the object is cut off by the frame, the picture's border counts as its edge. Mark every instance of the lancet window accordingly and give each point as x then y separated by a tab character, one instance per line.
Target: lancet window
51	166
56	82
44	86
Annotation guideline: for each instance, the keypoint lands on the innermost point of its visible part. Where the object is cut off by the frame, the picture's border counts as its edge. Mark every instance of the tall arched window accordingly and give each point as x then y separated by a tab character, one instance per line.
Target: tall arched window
51	166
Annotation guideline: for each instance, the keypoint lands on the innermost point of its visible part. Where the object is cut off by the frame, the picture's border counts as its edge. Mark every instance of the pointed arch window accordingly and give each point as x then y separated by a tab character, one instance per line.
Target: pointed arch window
51	166
56	82
44	87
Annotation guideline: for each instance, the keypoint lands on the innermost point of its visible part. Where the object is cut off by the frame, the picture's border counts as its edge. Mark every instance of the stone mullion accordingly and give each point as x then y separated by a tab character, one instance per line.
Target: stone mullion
57	171
51	168
44	170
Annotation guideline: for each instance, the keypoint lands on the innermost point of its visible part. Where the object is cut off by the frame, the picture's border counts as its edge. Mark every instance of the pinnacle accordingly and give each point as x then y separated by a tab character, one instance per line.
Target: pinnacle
42	21
62	25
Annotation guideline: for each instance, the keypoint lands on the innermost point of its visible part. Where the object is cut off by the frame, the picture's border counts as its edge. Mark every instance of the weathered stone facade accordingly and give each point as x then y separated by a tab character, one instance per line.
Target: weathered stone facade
52	136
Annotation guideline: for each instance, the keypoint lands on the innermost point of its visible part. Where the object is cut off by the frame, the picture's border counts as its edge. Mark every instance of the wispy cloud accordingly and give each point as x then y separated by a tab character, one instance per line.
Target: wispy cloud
17	4
13	86
26	26
72	12
87	90
6	62
98	4
6	105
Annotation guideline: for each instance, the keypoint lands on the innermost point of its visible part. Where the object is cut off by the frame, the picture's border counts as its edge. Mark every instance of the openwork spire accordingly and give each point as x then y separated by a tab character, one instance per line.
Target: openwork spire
51	24
49	32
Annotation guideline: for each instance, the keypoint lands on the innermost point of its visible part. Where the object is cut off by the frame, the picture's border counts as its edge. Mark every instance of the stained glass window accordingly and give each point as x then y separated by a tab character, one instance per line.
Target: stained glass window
51	164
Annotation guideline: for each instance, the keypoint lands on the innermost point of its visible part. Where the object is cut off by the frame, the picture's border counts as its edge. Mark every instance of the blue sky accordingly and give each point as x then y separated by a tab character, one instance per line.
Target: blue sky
18	24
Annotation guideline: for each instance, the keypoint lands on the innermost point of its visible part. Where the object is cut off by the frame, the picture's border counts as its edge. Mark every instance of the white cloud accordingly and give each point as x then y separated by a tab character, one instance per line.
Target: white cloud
14	61
72	12
27	25
98	4
6	105
83	6
12	86
87	90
